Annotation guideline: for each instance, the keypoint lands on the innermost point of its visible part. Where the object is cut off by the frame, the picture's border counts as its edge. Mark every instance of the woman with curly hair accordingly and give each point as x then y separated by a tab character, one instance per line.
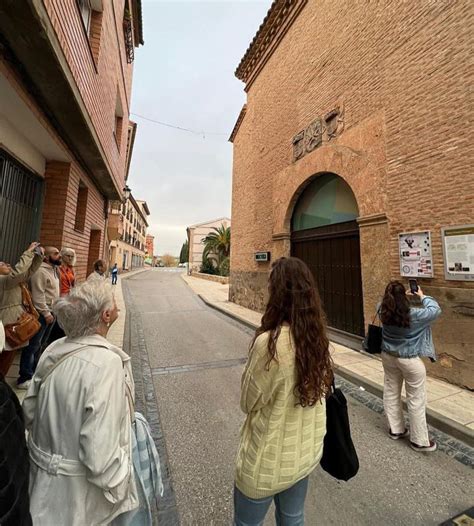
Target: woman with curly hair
287	376
406	337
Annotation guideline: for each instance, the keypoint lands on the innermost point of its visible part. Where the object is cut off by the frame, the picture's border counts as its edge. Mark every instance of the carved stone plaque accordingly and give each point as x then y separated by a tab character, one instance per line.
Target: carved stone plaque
321	129
298	146
313	136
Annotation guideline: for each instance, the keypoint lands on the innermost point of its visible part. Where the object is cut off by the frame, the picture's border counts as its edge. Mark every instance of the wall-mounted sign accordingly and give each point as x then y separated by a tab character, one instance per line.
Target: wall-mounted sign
458	249
415	255
262	257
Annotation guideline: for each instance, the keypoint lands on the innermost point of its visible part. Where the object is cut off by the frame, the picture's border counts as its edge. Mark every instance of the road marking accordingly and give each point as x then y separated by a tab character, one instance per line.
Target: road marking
157	371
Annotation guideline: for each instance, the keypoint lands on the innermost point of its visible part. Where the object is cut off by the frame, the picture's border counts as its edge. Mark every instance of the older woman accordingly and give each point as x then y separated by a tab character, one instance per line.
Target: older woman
66	270
11	306
79	411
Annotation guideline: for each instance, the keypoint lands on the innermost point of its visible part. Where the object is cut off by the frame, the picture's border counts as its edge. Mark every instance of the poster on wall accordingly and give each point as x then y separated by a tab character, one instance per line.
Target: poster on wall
415	255
458	248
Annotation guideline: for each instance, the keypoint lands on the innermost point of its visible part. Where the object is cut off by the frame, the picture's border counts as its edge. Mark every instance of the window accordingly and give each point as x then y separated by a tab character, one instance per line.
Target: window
85	9
91	15
118	122
326	201
128	33
81	208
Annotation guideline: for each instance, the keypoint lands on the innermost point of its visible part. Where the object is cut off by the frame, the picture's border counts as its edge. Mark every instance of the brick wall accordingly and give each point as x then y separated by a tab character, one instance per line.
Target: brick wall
58	226
399	70
100	70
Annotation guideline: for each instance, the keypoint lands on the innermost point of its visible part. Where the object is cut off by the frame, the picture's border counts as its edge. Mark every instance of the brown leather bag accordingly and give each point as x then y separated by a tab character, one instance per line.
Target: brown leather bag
27	325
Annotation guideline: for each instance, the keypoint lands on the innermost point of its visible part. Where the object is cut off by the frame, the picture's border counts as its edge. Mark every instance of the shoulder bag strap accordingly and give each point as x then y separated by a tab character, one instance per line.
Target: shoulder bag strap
61	360
376	314
27	301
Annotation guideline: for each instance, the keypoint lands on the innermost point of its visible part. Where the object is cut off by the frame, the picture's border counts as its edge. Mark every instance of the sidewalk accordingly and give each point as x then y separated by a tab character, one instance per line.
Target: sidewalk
450	408
115	335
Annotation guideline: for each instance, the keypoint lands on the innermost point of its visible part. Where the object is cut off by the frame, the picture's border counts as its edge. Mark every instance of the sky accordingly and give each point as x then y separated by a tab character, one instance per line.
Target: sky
184	76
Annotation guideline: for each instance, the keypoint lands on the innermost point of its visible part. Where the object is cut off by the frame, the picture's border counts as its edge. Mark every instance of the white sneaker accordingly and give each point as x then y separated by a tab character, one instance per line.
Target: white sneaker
24	386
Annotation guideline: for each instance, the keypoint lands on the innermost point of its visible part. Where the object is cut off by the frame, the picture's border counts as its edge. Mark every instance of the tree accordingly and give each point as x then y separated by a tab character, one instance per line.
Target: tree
184	254
217	244
168	260
216	248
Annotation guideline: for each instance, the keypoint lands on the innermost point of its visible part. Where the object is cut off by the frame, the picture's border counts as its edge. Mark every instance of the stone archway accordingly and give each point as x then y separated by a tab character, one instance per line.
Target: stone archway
325	234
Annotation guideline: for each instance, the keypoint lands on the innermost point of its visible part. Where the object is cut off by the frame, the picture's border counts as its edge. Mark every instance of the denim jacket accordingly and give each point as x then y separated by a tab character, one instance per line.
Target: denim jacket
416	340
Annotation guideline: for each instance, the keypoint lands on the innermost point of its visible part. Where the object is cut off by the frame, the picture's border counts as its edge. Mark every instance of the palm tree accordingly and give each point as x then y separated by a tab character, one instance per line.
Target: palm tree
217	244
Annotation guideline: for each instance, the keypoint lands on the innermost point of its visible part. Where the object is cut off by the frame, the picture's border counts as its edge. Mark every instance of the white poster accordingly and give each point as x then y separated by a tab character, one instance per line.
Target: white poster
416	259
458	246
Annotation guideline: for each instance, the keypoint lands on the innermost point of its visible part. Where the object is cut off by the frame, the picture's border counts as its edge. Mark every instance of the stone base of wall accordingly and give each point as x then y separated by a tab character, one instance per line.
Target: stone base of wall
210	277
249	289
453	335
453	332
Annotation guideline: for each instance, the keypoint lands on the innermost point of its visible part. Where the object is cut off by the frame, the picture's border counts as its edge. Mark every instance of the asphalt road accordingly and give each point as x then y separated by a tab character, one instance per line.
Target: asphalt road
187	362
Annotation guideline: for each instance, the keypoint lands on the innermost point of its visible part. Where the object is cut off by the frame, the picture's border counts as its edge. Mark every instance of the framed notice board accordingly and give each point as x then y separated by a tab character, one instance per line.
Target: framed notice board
458	251
416	260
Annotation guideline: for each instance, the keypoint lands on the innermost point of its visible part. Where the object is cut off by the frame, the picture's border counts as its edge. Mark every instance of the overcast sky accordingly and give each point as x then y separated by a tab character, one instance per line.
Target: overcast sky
184	76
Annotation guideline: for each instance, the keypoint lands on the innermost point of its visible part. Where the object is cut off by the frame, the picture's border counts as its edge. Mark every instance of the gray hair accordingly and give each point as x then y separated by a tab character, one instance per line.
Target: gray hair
80	312
69	252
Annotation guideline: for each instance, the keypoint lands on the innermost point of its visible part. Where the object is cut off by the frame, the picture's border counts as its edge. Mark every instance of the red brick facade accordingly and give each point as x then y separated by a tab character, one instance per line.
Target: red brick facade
100	82
58	227
396	72
87	164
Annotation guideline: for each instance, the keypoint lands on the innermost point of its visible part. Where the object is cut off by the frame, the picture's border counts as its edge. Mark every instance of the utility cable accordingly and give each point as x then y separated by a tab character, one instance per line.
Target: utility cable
196	132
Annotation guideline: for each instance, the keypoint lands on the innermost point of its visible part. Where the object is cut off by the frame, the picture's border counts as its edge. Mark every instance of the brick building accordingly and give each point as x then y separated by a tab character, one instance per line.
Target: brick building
150	249
352	153
127	228
65	136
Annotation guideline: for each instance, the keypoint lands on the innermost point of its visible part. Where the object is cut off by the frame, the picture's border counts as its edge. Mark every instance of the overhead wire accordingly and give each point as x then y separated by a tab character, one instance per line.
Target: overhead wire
180	128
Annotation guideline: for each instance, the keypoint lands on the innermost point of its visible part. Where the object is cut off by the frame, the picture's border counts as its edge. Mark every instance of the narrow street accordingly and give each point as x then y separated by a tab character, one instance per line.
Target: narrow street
187	362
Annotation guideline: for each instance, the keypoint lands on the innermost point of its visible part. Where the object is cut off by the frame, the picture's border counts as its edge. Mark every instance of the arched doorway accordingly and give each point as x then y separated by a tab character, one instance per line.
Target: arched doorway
325	235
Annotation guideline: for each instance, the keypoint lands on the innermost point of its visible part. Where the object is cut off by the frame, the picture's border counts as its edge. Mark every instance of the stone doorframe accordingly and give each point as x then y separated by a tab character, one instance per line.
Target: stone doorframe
363	168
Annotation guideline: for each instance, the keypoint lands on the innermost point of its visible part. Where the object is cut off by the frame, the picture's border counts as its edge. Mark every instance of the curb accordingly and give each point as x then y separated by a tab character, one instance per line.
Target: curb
235	317
129	275
434	418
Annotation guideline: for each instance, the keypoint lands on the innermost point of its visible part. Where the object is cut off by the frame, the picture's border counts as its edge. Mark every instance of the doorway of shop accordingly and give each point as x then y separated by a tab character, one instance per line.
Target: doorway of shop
325	235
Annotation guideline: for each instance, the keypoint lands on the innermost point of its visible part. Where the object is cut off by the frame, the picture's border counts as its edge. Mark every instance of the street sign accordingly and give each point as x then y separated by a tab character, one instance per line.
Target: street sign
262	257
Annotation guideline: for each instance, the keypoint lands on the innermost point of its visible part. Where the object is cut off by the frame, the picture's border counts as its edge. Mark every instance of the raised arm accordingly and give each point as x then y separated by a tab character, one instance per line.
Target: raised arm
28	264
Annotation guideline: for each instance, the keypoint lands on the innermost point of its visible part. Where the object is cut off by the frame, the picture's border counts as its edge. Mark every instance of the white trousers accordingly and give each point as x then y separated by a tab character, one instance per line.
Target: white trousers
413	371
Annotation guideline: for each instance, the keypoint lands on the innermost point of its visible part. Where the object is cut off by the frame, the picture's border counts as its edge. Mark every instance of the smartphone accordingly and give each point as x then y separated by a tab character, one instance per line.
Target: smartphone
413	285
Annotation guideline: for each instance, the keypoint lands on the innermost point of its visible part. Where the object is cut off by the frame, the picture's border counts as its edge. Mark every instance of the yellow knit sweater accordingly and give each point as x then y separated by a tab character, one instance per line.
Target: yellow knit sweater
280	442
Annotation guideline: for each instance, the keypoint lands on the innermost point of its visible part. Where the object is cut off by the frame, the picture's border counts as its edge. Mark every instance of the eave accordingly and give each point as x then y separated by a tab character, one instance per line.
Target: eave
275	25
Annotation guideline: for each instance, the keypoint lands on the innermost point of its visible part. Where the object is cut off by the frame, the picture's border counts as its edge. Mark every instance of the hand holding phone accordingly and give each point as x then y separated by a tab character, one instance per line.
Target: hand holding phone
413	286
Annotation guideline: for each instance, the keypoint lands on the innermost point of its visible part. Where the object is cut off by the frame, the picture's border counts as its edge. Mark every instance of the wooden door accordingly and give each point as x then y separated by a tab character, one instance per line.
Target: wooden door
333	254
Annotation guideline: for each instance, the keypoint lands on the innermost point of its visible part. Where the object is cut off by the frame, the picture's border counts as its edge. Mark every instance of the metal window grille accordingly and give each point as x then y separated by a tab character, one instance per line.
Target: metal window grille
21	198
128	35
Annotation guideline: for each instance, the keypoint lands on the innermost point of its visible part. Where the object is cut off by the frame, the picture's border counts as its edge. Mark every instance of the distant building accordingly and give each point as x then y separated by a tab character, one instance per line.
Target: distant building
65	135
127	228
196	233
150	249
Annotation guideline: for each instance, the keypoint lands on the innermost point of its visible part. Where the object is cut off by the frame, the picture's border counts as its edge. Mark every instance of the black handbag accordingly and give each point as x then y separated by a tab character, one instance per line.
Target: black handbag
339	455
373	339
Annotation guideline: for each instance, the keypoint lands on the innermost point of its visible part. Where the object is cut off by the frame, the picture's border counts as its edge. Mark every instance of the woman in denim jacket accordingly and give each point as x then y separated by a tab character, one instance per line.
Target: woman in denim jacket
406	338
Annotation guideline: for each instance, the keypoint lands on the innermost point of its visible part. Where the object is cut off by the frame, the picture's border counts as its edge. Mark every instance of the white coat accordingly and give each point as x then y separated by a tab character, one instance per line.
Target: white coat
80	434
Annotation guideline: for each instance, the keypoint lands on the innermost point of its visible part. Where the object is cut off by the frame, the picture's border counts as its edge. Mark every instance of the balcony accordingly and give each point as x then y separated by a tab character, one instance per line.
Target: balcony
114	227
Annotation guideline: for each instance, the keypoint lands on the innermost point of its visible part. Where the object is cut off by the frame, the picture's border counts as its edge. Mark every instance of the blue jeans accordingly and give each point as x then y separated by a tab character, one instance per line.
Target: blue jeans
289	507
114	278
31	354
